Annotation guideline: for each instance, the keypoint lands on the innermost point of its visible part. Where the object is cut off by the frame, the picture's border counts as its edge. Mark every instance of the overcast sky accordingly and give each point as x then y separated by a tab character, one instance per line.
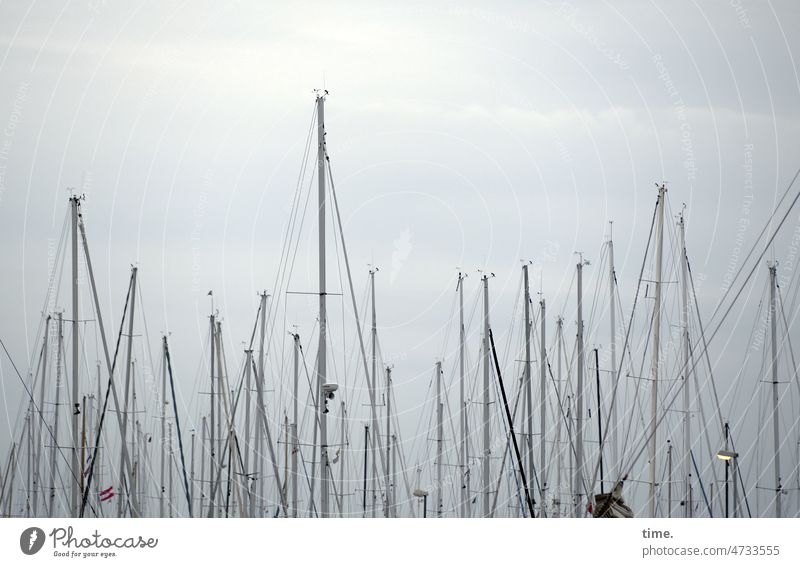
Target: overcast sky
464	134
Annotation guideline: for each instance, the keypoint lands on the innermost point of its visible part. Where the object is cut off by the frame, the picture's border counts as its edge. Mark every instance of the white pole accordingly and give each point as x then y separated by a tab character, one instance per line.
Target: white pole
372	383
656	351
387	475
527	379
612	302
466	508
41	423
439	440
578	487
542	415
322	356
248	475
687	427
260	465
775	417
163	425
486	474
562	390
295	447
75	359
125	483
57	405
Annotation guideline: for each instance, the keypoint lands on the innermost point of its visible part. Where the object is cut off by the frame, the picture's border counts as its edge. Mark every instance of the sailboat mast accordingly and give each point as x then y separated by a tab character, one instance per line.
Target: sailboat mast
373	374
125	483
578	486
439	439
542	412
388	469
163	427
59	367
41	423
248	476
561	397
322	356
260	464
295	448
75	357
527	380
687	428
656	351
773	283
465	498
486	473
613	428
212	455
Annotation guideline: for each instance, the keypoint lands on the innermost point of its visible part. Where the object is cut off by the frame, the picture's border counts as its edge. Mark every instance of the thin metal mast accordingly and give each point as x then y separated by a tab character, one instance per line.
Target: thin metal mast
578	486
248	475
75	358
163	427
656	351
466	511
125	483
527	379
322	356
613	422
42	388
260	466
372	381
387	470
212	442
59	385
687	428
542	413
773	283
562	390
295	447
487	431
439	439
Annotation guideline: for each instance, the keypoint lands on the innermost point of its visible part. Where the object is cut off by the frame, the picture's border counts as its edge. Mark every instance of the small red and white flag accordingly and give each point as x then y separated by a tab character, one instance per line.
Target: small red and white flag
106	494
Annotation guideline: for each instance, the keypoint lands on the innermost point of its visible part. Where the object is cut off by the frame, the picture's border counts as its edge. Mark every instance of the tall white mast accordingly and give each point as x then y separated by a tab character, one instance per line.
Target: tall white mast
773	283
295	447
439	440
465	497
526	378
562	398
75	358
41	422
372	383
656	350
542	413
260	464
125	483
388	482
687	427
612	305
322	356
487	426
578	486
247	477
163	426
